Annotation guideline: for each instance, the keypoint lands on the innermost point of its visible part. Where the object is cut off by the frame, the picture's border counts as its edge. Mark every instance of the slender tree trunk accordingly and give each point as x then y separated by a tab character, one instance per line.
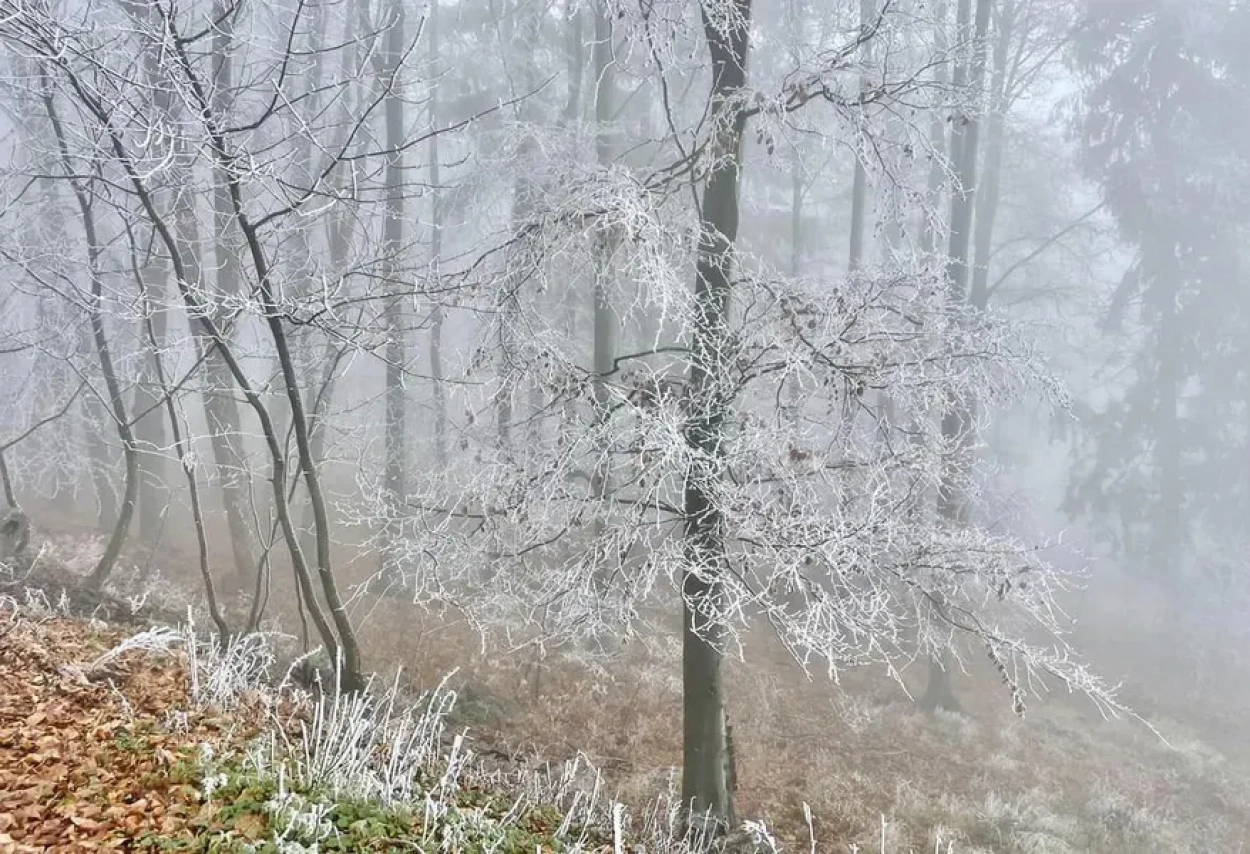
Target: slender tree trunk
988	194
152	275
99	335
339	233
100	461
396	438
183	451
520	262
606	327
436	246
509	312
574	44
117	404
650	321
301	264
859	184
150	428
957	422
221	407
705	753
937	133
964	149
6	479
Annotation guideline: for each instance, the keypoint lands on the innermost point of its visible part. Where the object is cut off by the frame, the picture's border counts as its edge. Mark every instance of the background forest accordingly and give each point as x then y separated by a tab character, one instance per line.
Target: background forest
792	392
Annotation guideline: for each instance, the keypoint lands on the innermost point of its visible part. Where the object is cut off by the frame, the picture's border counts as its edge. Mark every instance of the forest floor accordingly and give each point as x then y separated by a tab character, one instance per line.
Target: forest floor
87	758
876	773
873	771
117	740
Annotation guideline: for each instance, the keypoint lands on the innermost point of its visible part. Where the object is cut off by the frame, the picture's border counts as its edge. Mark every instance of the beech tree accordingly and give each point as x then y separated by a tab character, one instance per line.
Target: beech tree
251	200
639	412
817	516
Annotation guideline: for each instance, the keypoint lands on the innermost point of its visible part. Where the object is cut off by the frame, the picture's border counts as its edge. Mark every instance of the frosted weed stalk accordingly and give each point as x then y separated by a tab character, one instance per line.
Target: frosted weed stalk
371	747
398	755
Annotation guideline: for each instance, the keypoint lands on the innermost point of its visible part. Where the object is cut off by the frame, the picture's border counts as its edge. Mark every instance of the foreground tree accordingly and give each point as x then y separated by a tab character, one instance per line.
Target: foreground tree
816	516
703	579
959	418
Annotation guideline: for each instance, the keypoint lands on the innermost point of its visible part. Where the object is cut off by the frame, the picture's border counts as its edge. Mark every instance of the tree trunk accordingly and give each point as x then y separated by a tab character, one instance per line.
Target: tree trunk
6	479
396	438
606	331
964	133
940	692
183	451
99	337
221	407
937	134
436	248
957	422
705	751
859	185
117	404
149	426
100	461
510	378
990	190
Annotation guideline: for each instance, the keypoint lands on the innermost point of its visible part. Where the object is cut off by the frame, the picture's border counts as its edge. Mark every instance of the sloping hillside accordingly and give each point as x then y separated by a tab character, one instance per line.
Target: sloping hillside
155	741
150	739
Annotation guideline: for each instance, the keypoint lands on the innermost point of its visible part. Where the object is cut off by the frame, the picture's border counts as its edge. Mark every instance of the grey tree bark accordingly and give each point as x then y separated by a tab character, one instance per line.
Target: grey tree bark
957	421
606	326
705	751
183	451
221	407
339	233
149	393
99	334
989	193
433	24
509	305
859	184
396	437
100	457
937	132
152	279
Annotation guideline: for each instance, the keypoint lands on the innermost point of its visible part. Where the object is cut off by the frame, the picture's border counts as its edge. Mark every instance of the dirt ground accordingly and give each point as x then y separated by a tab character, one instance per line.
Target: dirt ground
858	754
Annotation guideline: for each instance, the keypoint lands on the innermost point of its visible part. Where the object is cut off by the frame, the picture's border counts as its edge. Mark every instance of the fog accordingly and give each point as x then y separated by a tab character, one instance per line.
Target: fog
798	362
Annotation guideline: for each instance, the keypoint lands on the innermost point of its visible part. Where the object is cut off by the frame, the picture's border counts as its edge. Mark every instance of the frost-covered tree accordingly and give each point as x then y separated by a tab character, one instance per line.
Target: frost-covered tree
266	155
641	412
736	460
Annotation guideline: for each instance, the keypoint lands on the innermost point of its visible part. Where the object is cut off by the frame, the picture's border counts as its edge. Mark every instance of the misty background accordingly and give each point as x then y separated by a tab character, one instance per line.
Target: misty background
903	341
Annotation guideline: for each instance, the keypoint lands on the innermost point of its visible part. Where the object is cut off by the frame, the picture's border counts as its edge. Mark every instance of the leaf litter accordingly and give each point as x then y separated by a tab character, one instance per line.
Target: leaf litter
94	758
